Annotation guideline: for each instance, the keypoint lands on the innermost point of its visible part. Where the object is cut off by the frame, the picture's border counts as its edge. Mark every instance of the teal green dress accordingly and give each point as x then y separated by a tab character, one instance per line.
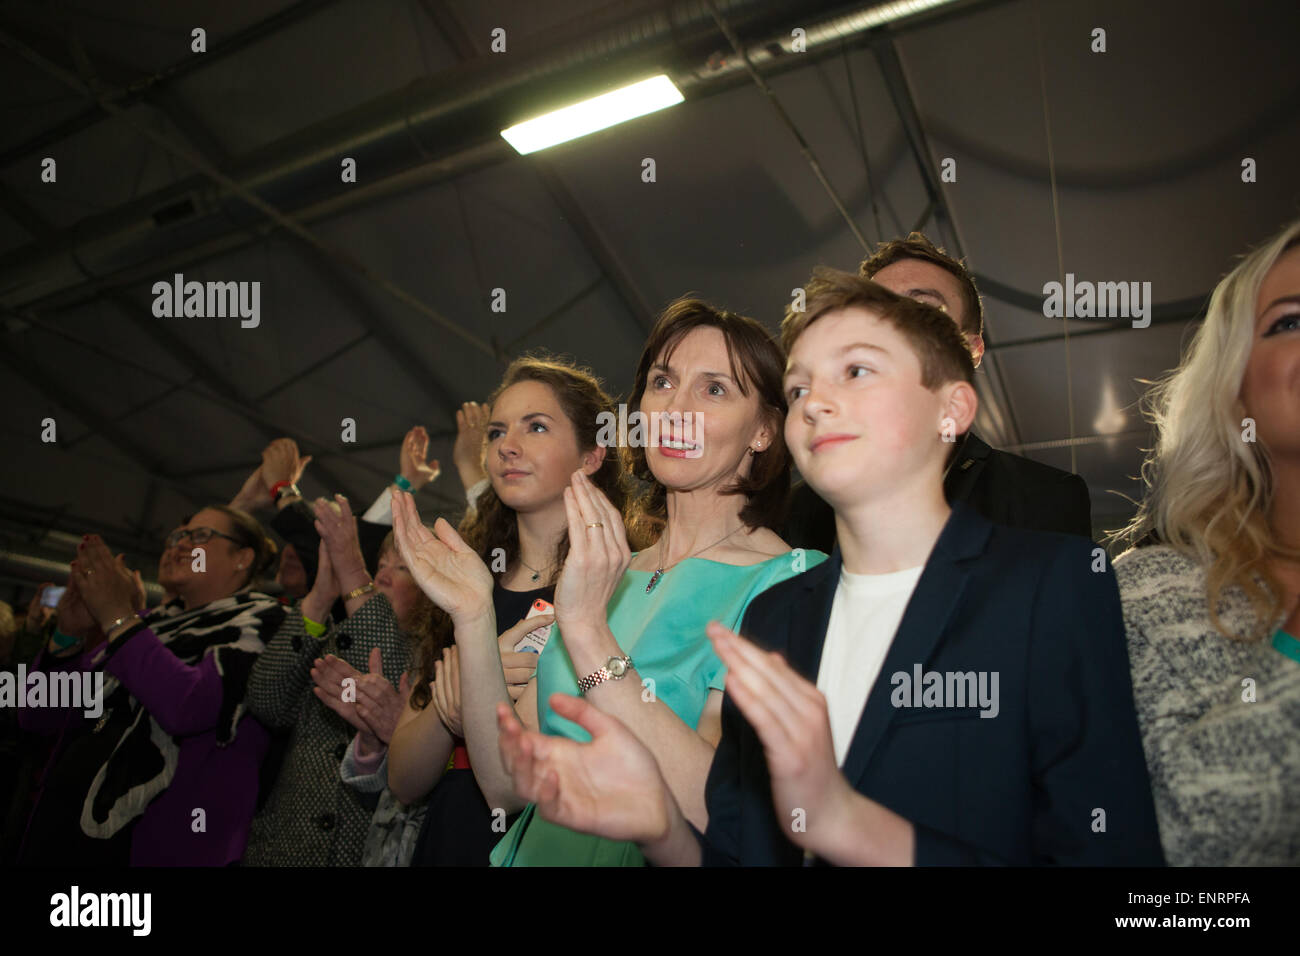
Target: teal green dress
663	633
1283	643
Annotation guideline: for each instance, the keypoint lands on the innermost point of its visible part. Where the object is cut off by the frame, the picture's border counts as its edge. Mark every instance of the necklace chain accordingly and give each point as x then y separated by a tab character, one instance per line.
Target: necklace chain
536	573
663	541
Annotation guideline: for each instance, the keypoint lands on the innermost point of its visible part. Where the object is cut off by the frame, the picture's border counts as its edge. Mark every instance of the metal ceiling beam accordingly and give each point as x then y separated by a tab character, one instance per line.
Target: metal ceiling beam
900	94
1108	329
449	113
370	317
188	356
25	515
115	77
307	442
156	88
448	24
173	344
1275	118
320	363
556	313
597	246
382	329
120	437
208	375
401	116
589	234
90	289
244	194
1034	303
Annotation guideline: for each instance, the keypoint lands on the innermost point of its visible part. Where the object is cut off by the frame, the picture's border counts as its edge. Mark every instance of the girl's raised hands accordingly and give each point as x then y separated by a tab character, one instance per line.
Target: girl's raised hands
442	564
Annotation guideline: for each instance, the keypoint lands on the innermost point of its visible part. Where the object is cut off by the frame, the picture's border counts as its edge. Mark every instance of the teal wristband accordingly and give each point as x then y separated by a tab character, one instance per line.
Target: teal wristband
401	482
63	641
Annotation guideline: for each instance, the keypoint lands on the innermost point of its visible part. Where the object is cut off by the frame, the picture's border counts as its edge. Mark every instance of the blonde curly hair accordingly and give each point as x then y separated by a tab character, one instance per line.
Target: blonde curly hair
1208	490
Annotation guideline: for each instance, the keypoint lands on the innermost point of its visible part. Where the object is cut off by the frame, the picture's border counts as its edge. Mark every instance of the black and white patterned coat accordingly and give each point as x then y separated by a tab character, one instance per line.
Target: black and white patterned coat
311	818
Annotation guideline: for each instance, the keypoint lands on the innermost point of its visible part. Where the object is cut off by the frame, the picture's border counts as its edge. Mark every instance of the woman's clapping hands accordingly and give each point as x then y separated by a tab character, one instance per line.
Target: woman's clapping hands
106	585
442	564
338	531
598	557
611	787
370	703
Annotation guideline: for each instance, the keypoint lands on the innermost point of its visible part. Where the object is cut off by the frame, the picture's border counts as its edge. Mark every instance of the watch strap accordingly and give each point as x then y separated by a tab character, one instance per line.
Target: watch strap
603	674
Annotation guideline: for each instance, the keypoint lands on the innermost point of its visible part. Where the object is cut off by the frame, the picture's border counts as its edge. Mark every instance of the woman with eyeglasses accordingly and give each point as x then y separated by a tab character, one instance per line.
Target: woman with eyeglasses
160	768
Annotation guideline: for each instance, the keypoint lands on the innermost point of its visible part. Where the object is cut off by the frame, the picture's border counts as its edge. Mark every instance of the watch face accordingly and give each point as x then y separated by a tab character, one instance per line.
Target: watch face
617	667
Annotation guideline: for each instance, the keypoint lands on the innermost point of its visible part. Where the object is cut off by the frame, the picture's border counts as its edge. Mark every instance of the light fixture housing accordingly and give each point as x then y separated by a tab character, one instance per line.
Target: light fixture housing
599	112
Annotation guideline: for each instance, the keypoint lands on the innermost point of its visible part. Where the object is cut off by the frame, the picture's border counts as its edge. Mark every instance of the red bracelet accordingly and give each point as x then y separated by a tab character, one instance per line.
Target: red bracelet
277	486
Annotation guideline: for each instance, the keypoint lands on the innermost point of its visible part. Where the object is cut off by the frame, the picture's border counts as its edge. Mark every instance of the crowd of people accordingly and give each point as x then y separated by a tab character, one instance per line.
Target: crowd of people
665	653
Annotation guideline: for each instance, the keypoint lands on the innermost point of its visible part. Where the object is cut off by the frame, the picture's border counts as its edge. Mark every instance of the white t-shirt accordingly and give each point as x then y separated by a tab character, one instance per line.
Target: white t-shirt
864	619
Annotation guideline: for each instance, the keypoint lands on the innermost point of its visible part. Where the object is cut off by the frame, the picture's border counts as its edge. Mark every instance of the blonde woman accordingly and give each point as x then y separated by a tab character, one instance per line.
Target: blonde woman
1212	609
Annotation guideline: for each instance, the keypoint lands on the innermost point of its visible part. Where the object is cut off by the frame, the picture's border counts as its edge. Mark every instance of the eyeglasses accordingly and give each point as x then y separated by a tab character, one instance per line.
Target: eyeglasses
197	536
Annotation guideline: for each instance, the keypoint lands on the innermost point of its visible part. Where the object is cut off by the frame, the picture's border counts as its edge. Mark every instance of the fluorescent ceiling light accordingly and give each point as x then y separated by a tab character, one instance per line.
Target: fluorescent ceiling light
599	112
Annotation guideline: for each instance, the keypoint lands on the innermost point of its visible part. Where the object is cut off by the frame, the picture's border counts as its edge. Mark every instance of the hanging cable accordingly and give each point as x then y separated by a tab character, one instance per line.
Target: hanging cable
1056	221
789	124
862	139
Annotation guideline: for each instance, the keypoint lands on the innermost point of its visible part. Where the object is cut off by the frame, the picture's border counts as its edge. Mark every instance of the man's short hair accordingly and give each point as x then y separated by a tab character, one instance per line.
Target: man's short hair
917	246
934	337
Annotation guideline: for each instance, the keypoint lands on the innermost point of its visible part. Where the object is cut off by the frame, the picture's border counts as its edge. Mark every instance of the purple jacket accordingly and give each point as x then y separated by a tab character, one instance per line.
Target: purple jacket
185	700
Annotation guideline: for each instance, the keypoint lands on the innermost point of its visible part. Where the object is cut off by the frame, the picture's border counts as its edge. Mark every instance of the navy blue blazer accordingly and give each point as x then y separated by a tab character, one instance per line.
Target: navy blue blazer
1057	776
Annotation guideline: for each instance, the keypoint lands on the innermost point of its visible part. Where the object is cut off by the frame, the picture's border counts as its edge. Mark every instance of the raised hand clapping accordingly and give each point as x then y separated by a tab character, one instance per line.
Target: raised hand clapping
598	556
415	466
467	452
106	585
448	570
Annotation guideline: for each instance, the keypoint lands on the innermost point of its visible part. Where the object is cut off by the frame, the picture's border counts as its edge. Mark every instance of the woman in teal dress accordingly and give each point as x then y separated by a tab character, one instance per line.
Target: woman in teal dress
630	628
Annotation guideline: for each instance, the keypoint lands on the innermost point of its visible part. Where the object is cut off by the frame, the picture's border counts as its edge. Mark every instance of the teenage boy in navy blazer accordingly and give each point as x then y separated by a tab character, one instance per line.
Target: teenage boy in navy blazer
1005	488
956	692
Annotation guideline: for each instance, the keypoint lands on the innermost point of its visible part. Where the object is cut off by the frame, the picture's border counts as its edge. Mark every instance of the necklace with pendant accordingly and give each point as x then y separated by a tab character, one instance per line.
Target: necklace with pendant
659	571
536	574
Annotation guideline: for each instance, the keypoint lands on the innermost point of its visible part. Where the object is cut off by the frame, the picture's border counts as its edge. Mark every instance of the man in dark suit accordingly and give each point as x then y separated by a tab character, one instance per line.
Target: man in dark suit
1005	488
956	692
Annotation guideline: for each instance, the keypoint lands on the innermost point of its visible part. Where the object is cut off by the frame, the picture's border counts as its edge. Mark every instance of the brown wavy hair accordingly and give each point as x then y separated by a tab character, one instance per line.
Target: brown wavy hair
756	363
492	525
